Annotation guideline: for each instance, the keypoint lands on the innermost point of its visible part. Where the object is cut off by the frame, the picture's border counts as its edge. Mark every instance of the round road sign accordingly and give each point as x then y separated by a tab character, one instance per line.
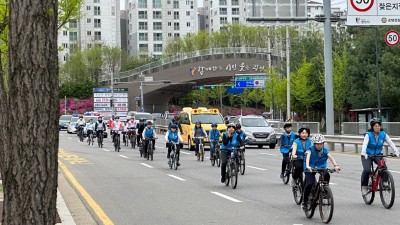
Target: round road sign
362	5
392	38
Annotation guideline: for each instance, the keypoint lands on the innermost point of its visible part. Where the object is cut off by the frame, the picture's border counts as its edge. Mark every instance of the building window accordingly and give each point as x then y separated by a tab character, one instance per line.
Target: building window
143	47
88	7
187	2
223	20
169	24
176	15
235	11
187	13
235	2
157	47
65	33
142	4
142	14
188	24
223	11
97	10
222	2
97	23
156	4
169	35
97	35
96	1
73	36
65	45
73	24
235	20
176	26
157	36
168	2
176	35
157	15
113	11
169	13
88	20
73	47
143	36
89	33
89	45
157	26
142	25
176	4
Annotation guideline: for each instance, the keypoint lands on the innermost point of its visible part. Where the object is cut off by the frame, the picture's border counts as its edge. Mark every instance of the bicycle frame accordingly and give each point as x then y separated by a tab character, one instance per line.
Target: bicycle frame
376	173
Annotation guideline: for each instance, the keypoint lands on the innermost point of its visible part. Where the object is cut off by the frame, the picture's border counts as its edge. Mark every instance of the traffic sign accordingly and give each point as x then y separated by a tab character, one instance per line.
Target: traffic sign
392	38
250	80
373	12
137	98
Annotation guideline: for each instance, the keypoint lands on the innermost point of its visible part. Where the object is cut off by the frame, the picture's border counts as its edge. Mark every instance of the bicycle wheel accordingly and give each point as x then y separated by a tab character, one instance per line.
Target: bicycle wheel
234	174
218	159
171	161
286	174
370	196
227	174
202	152
151	153
175	161
386	189
242	162
311	206
297	190
118	144
326	204
212	159
88	139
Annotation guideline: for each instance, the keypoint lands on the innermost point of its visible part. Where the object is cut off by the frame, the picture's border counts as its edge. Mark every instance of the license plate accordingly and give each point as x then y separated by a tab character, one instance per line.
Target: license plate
261	139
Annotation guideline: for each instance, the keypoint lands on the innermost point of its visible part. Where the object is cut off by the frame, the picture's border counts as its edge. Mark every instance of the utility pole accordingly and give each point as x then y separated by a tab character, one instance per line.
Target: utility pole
288	73
141	95
112	91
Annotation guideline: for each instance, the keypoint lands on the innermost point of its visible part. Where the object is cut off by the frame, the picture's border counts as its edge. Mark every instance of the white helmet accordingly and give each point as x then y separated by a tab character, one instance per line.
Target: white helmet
317	139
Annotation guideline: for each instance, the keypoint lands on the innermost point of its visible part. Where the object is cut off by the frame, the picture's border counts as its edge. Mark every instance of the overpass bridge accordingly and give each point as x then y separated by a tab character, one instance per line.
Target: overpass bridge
205	67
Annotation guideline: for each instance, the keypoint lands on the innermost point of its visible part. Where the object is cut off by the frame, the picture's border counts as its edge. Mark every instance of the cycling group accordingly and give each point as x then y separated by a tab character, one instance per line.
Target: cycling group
90	127
302	154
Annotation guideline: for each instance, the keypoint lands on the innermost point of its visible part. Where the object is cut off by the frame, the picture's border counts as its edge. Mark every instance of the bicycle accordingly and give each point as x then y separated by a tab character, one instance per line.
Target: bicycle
242	161
288	170
80	133
149	151
117	141
321	195
173	159
132	138
200	154
125	138
231	171
90	138
100	139
386	188
215	158
298	187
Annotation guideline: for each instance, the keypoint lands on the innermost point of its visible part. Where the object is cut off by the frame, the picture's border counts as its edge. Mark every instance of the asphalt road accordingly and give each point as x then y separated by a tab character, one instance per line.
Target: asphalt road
132	190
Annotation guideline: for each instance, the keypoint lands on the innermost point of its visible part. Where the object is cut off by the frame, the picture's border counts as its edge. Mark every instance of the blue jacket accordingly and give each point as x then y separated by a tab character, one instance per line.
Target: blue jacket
214	135
242	135
300	150
173	136
228	144
149	133
317	159
374	148
287	141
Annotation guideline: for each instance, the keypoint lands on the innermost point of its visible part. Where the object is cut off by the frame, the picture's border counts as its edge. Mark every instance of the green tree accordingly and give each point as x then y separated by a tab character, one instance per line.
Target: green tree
68	10
75	69
112	58
94	62
257	96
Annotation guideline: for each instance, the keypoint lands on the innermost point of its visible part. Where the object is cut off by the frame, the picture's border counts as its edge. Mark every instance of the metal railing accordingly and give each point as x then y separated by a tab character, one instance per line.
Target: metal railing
185	58
278	126
356	128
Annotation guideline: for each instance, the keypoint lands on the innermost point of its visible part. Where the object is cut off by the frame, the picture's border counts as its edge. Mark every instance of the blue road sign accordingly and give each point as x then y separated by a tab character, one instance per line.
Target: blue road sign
250	81
234	91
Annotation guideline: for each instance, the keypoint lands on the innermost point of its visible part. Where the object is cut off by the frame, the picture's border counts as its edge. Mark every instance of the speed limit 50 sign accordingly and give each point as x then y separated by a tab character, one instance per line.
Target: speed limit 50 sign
373	12
392	38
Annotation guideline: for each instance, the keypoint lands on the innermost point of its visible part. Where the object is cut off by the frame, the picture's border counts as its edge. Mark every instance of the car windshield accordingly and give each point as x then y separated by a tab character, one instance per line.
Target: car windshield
87	118
74	119
147	116
254	122
207	118
65	117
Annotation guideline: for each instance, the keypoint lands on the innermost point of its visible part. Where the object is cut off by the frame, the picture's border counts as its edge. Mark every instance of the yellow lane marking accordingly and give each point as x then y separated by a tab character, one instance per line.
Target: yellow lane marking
96	208
71	158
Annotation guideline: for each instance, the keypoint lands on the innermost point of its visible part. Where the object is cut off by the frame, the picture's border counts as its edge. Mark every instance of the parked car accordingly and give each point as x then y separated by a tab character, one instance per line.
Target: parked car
156	115
71	125
130	114
64	121
229	119
258	131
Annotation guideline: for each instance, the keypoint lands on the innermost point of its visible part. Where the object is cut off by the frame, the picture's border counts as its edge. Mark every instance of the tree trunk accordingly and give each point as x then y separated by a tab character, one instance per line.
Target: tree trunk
29	114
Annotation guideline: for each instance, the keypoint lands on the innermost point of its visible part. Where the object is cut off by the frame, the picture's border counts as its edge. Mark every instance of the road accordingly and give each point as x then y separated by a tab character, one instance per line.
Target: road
132	190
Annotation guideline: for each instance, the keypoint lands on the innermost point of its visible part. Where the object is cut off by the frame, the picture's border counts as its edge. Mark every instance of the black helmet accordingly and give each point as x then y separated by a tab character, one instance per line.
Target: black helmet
231	125
198	122
172	126
80	117
142	119
238	126
214	125
306	129
375	121
287	125
149	123
176	118
117	117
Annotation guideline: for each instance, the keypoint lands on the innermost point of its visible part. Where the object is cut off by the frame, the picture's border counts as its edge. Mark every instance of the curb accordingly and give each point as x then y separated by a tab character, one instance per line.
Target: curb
63	212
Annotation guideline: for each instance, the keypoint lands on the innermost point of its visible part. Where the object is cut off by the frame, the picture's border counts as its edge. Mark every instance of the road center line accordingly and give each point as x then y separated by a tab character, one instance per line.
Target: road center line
263	153
257	168
144	164
176	177
394	171
225	196
126	157
158	147
187	153
106	150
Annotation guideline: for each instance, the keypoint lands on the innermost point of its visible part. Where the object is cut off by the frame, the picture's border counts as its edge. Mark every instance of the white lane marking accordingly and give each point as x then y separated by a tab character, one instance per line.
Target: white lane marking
297	224
207	157
69	138
178	178
187	153
263	153
257	168
333	183
126	157
394	171
144	164
106	150
225	196
158	147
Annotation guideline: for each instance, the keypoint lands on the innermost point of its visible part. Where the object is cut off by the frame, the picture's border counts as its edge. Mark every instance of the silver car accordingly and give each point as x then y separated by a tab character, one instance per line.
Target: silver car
258	131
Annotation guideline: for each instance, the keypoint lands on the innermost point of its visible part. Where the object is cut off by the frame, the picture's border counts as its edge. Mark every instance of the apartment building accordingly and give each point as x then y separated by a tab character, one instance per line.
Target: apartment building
223	12
153	22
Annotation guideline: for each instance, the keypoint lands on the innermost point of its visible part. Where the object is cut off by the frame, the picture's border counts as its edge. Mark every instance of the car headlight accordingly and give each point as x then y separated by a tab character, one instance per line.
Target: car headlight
248	134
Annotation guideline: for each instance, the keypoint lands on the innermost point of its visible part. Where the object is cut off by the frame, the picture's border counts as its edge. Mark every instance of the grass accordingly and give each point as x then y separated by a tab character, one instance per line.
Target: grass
1	188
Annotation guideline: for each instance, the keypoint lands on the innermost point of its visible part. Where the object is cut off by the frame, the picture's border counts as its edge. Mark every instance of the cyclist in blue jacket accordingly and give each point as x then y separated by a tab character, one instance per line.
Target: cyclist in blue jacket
286	141
230	140
240	132
300	146
214	136
317	156
173	135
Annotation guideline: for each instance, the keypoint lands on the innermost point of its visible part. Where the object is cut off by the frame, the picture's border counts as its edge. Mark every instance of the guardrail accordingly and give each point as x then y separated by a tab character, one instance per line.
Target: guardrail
351	128
278	126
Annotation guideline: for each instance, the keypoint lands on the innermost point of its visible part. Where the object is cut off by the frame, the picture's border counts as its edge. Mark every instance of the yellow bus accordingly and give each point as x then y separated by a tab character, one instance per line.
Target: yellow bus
189	116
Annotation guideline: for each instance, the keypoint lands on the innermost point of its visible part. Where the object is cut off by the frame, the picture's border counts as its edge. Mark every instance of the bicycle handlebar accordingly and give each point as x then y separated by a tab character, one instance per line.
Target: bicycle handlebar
382	156
322	170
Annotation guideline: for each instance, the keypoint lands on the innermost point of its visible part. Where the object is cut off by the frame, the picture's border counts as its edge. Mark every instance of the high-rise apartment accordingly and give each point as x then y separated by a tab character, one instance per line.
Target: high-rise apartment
99	24
223	12
153	22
